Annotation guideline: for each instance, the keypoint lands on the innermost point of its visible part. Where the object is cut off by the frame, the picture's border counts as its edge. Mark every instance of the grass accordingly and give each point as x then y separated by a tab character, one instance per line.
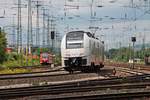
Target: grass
13	60
15	63
14	71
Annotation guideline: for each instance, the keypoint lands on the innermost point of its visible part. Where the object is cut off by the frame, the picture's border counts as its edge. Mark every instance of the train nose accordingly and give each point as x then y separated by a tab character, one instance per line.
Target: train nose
45	60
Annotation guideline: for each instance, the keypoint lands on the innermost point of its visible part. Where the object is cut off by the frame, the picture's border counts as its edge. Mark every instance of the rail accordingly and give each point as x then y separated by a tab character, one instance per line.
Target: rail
139	82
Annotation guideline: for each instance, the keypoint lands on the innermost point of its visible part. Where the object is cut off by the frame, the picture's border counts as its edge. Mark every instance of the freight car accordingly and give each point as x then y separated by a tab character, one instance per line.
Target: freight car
82	51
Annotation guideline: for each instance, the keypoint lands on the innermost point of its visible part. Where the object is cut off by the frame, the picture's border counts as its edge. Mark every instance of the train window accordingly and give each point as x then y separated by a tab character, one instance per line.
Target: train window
74	45
74	36
44	55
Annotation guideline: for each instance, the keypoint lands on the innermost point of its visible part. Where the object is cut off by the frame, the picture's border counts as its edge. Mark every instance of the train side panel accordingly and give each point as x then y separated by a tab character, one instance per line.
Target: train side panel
94	51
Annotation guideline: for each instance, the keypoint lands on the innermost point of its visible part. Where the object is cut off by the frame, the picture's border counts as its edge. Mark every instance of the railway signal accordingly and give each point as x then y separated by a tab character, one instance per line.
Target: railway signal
52	35
133	40
0	30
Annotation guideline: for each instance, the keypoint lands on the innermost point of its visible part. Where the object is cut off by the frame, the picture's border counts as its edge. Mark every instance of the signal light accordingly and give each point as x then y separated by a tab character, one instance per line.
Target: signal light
0	30
133	39
52	34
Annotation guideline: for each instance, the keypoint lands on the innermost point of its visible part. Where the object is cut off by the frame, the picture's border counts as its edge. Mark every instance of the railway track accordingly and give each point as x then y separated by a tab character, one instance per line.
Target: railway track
127	65
55	72
138	82
21	80
131	71
54	76
122	95
50	70
33	74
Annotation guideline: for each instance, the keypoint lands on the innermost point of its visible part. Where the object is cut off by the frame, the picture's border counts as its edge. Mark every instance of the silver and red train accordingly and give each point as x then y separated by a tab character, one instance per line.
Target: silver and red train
82	51
46	58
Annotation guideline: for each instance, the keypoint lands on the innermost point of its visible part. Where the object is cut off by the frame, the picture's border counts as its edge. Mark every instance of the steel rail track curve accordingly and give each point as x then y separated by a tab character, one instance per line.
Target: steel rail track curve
33	74
75	87
113	96
50	73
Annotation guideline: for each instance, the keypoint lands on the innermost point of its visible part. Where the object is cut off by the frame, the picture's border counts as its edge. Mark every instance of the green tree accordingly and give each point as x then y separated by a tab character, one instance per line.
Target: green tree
3	44
122	54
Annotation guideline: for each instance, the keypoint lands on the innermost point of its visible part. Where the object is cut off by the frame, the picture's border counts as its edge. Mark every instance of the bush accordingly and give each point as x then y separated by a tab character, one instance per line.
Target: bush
57	60
12	56
3	44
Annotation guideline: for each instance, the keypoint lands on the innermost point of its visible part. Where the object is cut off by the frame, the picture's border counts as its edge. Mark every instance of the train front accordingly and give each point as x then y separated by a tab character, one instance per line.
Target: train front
72	50
44	59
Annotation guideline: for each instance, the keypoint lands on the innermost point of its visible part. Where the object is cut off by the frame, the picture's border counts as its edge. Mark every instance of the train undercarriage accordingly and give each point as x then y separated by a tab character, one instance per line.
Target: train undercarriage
79	64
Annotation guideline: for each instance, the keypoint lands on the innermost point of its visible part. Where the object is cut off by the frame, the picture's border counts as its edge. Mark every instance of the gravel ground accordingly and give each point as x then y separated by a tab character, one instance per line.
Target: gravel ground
47	79
106	72
118	72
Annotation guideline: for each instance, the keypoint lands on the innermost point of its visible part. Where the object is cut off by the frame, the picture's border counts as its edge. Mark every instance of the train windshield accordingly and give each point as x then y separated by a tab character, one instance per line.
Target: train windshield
74	45
78	35
44	55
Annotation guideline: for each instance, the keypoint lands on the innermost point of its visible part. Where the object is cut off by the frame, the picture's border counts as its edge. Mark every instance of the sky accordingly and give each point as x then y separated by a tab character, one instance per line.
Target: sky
116	21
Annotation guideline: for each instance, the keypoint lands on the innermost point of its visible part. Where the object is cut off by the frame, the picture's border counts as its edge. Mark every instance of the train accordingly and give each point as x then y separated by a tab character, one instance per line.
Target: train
46	58
81	51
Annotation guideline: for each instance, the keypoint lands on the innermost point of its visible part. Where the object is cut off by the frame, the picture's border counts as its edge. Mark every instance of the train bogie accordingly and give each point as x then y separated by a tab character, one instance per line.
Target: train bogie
81	51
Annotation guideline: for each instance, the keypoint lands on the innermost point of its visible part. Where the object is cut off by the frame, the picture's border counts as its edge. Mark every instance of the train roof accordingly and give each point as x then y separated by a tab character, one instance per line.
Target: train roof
88	34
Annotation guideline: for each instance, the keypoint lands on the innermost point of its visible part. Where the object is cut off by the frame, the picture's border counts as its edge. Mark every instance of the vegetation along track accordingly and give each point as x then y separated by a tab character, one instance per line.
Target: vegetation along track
29	67
134	82
52	72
